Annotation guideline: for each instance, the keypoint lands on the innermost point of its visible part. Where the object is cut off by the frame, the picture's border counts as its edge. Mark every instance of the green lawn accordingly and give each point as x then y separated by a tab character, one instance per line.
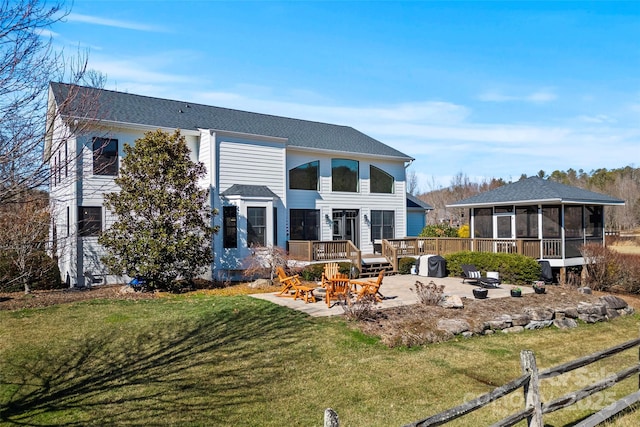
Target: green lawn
234	360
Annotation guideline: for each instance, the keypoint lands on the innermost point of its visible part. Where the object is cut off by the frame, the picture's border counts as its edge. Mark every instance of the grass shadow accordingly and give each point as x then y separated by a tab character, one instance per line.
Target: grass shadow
173	372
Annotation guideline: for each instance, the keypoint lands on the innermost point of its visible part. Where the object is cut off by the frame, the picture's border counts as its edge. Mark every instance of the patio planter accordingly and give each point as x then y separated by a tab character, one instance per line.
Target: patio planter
516	293
480	293
539	288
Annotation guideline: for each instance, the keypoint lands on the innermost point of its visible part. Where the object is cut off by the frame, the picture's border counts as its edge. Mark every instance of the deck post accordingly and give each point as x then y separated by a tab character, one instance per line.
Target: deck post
394	250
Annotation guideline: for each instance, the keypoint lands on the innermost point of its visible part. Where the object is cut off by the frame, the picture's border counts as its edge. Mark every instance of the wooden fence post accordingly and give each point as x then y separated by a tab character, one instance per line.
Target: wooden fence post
532	388
331	418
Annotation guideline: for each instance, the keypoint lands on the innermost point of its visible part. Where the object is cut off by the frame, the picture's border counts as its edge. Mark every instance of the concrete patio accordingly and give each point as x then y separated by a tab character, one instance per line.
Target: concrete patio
398	291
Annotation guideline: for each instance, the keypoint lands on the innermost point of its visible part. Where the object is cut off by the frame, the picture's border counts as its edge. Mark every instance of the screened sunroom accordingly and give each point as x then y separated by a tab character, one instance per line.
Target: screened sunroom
538	218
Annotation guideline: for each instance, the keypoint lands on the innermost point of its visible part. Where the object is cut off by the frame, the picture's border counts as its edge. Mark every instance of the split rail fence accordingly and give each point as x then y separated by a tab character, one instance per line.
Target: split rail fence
530	383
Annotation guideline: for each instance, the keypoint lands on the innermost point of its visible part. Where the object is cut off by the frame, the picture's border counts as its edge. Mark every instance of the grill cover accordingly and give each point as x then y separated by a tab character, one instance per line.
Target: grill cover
546	273
437	266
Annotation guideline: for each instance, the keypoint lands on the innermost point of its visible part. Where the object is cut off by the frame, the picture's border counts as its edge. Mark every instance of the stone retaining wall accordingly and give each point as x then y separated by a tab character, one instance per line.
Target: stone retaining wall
608	307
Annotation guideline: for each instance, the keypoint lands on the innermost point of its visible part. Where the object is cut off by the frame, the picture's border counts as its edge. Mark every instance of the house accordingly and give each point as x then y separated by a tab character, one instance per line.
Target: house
276	181
539	218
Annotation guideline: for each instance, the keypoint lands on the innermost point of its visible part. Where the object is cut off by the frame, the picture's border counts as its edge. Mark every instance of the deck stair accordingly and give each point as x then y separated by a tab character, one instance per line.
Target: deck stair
372	265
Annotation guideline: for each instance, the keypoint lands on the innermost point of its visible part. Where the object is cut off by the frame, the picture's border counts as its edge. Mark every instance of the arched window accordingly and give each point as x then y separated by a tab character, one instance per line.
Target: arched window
305	177
381	182
344	175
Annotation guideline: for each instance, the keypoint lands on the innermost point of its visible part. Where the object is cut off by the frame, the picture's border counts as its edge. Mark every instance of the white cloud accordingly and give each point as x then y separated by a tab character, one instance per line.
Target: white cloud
121	72
540	96
44	32
599	118
418	112
95	20
495	97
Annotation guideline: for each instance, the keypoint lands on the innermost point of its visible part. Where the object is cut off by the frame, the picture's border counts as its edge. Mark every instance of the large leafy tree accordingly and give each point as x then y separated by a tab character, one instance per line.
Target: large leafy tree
162	229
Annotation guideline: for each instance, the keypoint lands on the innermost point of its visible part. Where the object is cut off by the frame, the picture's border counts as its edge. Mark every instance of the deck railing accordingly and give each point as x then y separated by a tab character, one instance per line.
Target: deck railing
534	248
319	250
393	249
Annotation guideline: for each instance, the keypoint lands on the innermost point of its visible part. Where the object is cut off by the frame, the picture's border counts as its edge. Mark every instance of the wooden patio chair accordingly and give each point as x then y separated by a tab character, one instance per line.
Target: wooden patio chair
338	287
369	287
293	284
286	282
470	272
331	270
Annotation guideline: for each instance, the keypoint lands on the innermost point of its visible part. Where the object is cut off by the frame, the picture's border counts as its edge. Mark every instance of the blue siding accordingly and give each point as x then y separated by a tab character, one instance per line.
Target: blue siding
415	223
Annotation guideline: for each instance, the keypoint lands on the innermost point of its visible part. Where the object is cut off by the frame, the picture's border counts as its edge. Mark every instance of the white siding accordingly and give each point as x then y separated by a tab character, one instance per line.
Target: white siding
251	163
205	152
83	188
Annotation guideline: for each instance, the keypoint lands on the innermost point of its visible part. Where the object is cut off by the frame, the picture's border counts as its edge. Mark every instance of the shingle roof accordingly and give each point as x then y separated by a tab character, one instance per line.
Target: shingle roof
535	189
249	191
414	202
144	110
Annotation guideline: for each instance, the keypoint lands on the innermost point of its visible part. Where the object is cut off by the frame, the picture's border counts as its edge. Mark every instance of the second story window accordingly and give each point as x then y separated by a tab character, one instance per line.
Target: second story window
304	177
381	182
105	156
344	175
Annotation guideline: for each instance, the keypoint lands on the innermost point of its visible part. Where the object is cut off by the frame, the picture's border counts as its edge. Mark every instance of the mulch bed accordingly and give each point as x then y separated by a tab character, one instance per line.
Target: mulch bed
38	299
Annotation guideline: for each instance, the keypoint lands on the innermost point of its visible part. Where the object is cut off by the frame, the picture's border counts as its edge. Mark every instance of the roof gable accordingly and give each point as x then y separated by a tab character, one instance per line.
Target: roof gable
534	189
414	202
144	110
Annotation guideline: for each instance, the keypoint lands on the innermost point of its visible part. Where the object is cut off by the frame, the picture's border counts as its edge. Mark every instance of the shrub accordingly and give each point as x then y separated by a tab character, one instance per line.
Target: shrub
359	310
439	230
264	261
574	274
611	270
49	277
464	232
430	294
405	264
313	272
513	268
344	267
45	274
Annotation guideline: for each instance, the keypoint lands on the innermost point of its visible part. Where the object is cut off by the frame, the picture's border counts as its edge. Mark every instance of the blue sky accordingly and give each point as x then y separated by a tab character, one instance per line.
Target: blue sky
487	89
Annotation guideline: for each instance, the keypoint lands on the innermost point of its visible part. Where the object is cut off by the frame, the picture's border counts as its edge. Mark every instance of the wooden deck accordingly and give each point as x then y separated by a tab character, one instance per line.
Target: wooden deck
394	249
